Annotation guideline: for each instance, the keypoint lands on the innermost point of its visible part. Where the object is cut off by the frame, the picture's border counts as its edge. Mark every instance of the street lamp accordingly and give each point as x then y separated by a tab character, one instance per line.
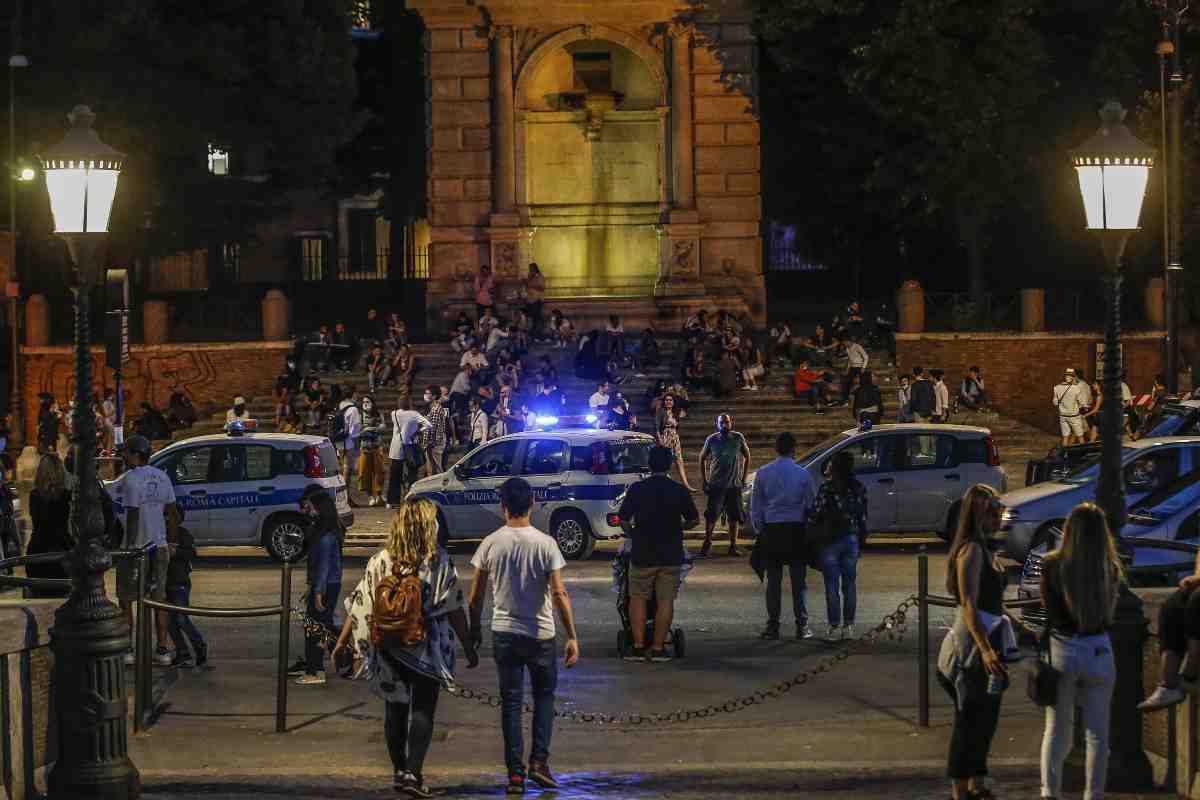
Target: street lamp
90	636
1114	170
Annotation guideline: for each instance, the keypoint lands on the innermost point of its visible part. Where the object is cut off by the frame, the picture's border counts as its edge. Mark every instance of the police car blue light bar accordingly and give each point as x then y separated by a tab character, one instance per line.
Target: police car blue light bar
591	417
546	421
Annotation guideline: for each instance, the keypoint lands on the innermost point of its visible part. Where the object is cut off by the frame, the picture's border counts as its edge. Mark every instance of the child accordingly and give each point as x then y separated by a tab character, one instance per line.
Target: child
179	592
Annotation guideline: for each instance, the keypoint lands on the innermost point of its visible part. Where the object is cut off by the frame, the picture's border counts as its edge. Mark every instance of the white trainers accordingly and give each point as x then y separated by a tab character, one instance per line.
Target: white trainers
164	657
847	632
311	680
832	633
1162	697
804	631
129	659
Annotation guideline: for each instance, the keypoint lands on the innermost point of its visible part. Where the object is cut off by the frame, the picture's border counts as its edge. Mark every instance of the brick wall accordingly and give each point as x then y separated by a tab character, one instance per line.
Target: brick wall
210	374
1021	369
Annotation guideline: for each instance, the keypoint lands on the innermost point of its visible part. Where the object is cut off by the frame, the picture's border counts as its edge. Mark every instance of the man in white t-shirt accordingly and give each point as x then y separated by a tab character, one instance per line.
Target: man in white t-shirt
353	421
473	358
405	452
524	567
142	497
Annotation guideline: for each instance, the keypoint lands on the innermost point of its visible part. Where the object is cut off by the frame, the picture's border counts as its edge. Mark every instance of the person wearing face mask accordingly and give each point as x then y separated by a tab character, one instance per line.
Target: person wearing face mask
238	413
1069	402
323	542
371	466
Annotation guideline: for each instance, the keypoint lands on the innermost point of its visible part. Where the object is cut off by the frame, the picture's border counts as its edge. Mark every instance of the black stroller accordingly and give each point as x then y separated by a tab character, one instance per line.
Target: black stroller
676	639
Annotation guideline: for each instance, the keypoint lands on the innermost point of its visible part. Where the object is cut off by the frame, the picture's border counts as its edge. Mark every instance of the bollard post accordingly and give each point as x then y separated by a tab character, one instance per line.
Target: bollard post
923	637
285	610
139	649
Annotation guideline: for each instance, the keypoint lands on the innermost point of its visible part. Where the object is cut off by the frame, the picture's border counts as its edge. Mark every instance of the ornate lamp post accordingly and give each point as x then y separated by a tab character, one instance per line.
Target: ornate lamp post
90	636
1114	170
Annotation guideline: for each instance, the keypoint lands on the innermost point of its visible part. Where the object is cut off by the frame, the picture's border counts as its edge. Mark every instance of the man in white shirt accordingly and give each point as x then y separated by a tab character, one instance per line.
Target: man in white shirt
524	568
856	361
497	338
142	497
405	451
1068	402
239	412
352	422
473	358
601	401
479	425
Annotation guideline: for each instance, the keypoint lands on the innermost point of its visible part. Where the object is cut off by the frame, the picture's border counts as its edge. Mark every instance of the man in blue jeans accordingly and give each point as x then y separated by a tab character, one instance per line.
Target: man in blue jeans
524	566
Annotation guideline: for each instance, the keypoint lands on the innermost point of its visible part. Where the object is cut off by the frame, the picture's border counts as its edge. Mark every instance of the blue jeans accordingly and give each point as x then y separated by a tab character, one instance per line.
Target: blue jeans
314	649
180	626
839	562
514	654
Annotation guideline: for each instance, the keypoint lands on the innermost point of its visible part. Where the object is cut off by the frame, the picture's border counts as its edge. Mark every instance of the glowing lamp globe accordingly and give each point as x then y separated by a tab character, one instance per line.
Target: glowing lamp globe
1114	170
81	177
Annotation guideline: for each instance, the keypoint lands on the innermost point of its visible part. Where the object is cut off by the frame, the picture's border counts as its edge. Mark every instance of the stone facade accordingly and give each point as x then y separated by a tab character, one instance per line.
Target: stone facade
1021	369
609	142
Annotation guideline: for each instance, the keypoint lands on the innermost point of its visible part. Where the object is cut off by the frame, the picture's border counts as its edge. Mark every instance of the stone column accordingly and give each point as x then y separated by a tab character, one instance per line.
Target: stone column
682	130
504	122
155	325
37	321
1033	310
275	316
910	307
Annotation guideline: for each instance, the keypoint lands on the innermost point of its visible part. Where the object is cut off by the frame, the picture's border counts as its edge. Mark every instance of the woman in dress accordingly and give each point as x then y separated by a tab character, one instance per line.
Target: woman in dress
409	679
50	511
666	431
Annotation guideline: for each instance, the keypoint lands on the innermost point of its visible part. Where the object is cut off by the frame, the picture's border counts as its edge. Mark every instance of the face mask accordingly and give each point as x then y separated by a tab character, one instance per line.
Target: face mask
428	397
239	409
367	406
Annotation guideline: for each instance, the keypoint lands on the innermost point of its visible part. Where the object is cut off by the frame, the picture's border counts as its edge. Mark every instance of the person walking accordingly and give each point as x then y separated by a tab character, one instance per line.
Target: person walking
371	466
724	464
779	505
1081	582
179	592
654	515
867	403
146	497
666	433
857	360
1068	401
485	286
50	513
352	424
523	567
969	665
409	679
440	433
323	541
405	454
841	504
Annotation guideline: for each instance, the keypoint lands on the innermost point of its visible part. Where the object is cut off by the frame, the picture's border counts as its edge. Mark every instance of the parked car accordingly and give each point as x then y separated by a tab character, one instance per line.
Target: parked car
1171	514
245	488
1180	418
915	474
575	474
1149	464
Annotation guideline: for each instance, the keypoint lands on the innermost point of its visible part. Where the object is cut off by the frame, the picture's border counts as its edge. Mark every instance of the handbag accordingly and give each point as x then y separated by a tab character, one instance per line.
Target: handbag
1042	684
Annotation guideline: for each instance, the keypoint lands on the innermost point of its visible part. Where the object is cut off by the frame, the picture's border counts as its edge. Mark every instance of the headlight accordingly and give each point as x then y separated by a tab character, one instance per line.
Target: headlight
1009	516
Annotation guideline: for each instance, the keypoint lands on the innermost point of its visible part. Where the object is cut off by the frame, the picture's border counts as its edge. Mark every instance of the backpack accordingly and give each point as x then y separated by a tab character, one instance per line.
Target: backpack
398	620
337	426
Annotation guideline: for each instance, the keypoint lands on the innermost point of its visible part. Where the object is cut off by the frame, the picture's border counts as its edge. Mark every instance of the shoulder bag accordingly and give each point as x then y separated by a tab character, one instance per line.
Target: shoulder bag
1042	683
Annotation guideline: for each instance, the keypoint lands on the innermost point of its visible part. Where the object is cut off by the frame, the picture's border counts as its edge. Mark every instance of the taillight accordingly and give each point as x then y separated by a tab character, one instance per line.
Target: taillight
312	463
614	520
993	453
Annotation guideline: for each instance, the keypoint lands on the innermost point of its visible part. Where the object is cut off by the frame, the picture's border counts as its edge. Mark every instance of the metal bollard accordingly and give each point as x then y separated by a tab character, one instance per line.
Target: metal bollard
923	637
285	610
138	638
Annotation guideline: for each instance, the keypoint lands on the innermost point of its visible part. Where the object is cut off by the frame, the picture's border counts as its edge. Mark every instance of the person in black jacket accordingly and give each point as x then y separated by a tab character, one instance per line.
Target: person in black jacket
868	401
50	511
152	424
923	400
179	592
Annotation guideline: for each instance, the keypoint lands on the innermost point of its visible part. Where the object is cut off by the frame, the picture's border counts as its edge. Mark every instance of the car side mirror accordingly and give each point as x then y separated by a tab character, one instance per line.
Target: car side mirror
461	472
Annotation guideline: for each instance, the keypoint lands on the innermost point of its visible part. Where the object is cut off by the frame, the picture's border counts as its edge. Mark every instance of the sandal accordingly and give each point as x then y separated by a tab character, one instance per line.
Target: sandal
704	549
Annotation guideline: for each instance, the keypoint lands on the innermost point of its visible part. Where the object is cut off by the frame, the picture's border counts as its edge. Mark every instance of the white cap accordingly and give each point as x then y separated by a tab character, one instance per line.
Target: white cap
239	401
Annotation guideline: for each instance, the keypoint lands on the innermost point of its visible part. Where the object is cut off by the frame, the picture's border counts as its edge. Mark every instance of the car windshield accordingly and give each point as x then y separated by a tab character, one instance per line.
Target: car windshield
1089	468
812	453
629	456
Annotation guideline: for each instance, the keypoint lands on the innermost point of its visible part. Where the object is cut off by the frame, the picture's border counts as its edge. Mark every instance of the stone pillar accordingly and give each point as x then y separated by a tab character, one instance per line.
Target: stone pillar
1155	305
155	324
910	307
1033	310
275	316
682	141
37	321
504	122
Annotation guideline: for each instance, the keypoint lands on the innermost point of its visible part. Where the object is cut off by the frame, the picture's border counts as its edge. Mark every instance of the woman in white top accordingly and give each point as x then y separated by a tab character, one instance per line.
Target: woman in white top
409	679
941	397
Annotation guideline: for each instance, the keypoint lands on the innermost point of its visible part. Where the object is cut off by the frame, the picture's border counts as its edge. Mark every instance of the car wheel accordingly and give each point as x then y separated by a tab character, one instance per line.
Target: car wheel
573	534
947	534
284	538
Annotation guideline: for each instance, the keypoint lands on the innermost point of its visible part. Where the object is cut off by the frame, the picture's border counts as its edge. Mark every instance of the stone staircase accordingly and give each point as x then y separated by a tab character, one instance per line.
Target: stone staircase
760	415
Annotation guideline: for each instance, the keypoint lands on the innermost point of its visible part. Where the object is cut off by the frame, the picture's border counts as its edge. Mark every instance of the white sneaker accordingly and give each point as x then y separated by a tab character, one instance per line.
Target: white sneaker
129	659
804	631
164	657
1162	697
311	680
847	632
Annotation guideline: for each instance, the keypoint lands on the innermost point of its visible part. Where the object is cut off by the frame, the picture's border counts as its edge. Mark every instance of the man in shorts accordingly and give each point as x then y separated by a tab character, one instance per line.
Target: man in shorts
724	463
1069	402
654	515
144	497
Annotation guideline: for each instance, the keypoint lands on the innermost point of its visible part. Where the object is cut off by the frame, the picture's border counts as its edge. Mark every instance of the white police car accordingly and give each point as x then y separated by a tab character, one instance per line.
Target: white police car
575	475
245	488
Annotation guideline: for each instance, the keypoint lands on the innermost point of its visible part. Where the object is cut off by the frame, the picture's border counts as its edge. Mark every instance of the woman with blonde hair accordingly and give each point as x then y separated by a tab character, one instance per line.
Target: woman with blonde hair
970	667
50	513
1081	581
409	679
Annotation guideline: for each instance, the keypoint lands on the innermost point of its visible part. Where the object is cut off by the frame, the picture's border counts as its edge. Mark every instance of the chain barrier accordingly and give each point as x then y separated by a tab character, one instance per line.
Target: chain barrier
892	627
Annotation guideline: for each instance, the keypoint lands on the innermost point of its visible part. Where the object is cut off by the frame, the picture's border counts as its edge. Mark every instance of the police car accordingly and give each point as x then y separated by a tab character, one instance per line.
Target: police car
575	475
244	488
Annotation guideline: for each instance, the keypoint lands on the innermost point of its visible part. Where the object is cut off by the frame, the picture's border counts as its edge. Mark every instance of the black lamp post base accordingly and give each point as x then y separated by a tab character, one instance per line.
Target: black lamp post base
91	706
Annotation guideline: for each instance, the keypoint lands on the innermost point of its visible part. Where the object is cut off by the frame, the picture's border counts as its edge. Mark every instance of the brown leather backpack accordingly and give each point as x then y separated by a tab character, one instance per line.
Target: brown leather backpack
398	618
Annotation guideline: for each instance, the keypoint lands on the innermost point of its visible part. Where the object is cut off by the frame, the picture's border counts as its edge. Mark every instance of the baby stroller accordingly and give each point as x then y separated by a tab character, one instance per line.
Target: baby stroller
676	639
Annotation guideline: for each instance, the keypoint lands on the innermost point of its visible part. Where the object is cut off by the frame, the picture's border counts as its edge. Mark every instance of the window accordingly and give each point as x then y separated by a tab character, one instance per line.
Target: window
288	462
231	260
545	457
495	461
190	466
627	457
973	451
218	161
870	455
258	463
312	258
368	246
1152	471
929	451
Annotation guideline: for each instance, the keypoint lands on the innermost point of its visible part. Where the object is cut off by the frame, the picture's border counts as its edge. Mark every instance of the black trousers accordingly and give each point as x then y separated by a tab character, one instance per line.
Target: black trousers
1179	620
401	475
408	727
974	727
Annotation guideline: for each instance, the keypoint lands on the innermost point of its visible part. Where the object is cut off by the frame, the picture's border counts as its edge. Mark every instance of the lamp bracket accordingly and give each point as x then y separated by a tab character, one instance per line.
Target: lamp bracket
87	252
